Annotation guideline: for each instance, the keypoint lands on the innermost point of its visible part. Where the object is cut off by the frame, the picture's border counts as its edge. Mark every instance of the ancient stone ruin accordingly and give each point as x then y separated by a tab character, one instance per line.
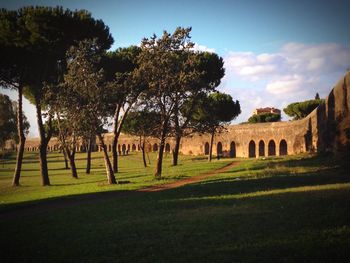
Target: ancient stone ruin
326	129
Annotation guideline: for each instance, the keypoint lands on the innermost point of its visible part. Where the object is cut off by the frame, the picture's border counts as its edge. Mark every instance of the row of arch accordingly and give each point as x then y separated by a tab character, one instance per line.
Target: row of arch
122	149
271	149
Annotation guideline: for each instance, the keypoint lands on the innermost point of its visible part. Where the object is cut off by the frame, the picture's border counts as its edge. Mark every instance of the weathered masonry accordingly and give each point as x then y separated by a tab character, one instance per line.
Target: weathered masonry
327	128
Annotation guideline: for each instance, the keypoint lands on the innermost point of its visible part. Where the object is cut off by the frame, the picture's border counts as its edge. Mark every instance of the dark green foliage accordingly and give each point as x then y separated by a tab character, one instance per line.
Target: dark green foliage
141	123
264	117
299	110
8	120
214	111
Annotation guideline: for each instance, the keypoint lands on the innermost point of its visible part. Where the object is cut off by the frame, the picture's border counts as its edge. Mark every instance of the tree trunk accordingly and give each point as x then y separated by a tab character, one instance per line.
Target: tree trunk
109	169
22	139
176	149
88	157
73	168
115	151
142	145
158	172
42	147
65	158
211	146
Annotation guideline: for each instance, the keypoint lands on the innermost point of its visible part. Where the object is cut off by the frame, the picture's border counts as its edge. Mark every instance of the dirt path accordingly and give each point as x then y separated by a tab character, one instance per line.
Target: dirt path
190	180
70	201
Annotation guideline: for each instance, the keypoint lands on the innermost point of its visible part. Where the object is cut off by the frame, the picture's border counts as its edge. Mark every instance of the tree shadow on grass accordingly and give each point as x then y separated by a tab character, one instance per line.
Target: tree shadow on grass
226	186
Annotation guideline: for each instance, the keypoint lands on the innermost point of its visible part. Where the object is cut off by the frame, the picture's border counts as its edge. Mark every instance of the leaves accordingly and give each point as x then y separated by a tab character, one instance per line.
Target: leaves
299	110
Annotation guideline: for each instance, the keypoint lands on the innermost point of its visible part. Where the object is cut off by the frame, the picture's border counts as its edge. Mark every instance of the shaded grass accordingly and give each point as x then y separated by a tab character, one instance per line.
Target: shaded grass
260	211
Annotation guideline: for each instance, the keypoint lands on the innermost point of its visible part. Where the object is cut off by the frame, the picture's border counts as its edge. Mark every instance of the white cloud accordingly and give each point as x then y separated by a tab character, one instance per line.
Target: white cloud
198	47
294	73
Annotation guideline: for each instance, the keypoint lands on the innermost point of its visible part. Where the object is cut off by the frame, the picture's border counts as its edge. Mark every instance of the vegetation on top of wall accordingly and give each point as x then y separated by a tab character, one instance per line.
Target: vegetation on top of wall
299	110
264	117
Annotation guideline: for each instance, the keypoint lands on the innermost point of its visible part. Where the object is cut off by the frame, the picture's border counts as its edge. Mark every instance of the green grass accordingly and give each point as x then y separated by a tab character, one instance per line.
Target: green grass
293	209
132	175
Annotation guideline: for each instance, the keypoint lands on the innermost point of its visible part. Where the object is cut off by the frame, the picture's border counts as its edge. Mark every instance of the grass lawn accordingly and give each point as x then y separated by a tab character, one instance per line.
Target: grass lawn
292	209
132	175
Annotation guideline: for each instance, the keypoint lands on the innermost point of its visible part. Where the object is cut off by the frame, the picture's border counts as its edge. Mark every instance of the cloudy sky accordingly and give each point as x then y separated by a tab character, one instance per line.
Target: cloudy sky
275	52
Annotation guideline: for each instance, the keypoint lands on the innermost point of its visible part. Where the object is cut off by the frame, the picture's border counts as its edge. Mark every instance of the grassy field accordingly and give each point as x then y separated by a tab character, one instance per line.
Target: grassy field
293	209
132	175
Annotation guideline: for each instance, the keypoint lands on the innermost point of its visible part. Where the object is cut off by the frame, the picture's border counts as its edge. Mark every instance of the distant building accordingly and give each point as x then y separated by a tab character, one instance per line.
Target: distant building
267	110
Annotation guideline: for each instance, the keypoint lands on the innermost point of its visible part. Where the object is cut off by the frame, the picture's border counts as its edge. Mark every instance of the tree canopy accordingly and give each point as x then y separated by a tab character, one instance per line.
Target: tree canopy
264	117
299	110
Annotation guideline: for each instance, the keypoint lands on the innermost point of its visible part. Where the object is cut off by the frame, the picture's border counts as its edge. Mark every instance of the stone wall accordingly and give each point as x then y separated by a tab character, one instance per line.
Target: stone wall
327	128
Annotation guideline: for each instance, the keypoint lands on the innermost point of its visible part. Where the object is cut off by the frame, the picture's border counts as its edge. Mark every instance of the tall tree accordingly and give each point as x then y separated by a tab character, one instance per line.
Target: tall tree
15	65
142	124
85	96
212	113
45	34
166	65
119	67
209	67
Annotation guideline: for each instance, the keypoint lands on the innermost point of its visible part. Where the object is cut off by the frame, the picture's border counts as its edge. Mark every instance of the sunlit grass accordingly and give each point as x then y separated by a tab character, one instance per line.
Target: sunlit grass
132	175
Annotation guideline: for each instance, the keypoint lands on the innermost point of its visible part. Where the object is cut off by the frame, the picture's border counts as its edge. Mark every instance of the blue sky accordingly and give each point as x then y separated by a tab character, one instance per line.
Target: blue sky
275	51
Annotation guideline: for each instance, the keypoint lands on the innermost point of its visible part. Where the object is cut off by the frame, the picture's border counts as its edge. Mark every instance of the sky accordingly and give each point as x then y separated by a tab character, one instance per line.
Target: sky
275	52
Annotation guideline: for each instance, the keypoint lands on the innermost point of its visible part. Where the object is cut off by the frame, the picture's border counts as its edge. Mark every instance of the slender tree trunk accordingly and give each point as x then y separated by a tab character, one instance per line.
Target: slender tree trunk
73	168
115	152
65	158
109	168
211	146
22	139
88	157
158	172
142	145
176	149
42	147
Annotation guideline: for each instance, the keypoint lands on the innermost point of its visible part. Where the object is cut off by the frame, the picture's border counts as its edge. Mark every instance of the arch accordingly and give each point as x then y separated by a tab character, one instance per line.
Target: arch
272	148
206	148
233	149
123	149
283	148
128	147
109	147
155	147
138	147
219	149
133	147
261	148
251	149
167	148
119	148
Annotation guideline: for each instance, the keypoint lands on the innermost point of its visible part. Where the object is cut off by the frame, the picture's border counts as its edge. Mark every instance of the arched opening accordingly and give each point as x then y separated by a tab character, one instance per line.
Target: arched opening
219	149
119	148
109	147
133	147
261	148
252	149
272	148
123	149
167	148
155	147
283	147
128	147
138	147
233	150
206	148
